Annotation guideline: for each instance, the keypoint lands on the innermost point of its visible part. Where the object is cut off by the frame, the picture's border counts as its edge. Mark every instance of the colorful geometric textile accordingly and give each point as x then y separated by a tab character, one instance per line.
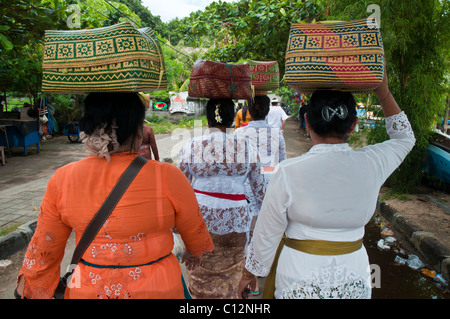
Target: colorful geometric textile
346	56
117	58
219	80
265	75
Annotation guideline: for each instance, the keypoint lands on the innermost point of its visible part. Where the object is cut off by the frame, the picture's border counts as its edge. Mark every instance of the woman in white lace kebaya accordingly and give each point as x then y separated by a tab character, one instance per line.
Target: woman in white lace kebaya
317	204
267	141
218	165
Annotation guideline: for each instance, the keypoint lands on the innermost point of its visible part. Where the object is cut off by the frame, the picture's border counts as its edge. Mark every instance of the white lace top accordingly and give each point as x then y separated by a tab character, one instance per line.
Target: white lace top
220	164
329	193
270	146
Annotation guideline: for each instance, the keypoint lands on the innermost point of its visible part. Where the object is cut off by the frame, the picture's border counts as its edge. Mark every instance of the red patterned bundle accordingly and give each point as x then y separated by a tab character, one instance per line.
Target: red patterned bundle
218	80
346	56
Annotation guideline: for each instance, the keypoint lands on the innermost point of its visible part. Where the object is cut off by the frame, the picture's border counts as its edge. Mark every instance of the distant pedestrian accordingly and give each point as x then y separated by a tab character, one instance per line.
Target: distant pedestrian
242	117
149	145
301	116
266	141
276	117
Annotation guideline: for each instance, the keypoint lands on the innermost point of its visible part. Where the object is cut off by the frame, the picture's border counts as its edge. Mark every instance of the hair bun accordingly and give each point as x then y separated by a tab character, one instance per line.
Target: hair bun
340	111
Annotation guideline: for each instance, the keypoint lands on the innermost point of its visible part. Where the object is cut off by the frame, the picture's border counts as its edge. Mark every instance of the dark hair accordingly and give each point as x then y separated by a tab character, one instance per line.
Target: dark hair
126	109
336	126
259	107
226	112
244	111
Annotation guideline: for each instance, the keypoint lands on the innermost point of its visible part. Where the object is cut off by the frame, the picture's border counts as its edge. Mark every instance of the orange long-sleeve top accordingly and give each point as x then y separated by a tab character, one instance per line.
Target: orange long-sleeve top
137	232
240	121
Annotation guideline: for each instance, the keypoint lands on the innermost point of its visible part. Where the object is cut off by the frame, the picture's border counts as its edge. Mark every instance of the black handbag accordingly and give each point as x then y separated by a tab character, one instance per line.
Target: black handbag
99	219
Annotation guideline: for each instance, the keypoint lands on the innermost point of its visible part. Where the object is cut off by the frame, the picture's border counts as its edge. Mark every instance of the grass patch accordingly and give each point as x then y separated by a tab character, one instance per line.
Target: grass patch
391	193
161	125
6	230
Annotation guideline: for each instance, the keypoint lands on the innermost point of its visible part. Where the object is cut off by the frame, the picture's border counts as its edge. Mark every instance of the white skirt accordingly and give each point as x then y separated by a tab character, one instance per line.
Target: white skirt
304	276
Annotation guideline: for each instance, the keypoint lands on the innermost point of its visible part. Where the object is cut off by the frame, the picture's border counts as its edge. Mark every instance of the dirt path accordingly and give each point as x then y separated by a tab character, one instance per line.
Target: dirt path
429	209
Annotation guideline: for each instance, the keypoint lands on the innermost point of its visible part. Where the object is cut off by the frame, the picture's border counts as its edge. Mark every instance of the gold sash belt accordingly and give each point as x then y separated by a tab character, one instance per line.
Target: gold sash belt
313	247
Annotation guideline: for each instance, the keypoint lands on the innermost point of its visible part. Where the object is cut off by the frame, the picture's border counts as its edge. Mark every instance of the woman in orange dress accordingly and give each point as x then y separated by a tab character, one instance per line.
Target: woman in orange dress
243	117
131	255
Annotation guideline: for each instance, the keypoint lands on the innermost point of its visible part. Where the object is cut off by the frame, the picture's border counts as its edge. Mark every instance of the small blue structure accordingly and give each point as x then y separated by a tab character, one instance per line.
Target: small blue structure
437	162
20	134
360	112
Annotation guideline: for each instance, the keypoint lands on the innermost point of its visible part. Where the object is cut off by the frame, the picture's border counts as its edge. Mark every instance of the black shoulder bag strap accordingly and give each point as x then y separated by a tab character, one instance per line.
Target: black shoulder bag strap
103	213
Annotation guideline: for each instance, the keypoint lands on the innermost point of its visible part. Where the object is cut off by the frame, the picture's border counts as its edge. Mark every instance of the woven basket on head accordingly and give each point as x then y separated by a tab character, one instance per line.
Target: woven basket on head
345	55
265	75
118	58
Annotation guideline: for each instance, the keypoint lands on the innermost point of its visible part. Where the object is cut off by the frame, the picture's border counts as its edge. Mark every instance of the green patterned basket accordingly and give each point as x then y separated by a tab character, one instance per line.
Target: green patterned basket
118	58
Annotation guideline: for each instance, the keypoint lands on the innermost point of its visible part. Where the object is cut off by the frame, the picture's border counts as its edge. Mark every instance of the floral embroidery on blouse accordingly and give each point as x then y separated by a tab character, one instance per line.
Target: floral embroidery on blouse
221	163
399	123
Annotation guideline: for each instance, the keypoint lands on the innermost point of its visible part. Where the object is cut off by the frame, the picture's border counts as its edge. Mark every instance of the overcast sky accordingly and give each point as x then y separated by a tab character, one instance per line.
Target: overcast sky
170	9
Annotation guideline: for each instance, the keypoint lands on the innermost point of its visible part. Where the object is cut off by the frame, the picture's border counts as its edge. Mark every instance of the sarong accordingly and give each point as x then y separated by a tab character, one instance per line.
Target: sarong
220	271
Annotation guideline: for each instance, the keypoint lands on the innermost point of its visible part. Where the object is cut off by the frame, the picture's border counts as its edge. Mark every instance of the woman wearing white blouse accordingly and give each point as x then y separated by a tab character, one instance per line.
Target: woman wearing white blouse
308	237
218	165
266	141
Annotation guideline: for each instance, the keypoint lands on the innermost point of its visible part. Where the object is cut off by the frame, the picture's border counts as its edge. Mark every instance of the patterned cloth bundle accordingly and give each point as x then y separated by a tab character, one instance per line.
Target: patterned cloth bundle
347	56
265	76
117	58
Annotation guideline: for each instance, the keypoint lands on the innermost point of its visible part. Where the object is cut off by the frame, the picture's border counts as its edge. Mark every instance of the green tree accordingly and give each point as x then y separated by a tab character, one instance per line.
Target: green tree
416	42
98	13
22	31
257	30
251	29
146	17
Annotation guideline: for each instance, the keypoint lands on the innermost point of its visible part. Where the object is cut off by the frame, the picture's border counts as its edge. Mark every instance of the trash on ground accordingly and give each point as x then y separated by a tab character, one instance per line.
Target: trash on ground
381	245
390	241
429	273
413	261
5	263
441	279
386	232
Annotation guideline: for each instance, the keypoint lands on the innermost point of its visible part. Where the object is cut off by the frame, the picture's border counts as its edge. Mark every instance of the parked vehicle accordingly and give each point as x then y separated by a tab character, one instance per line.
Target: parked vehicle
286	108
72	131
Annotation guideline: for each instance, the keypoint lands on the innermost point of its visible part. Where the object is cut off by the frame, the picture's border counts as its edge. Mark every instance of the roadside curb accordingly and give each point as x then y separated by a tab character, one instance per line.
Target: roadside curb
431	248
17	240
